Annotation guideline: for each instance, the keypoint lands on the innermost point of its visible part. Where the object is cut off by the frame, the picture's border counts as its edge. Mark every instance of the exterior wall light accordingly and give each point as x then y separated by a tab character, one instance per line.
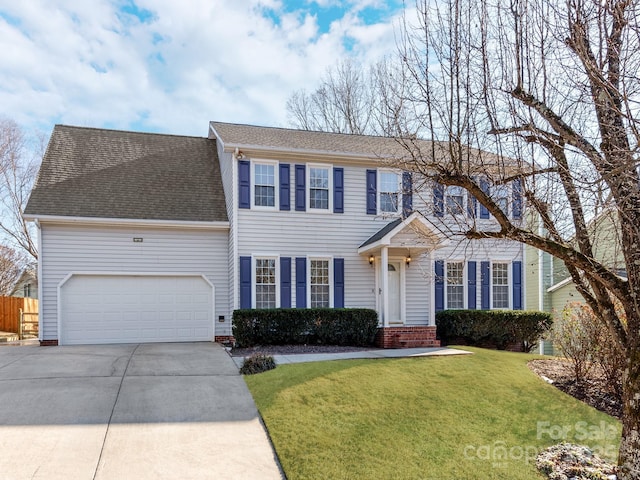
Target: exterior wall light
407	261
371	259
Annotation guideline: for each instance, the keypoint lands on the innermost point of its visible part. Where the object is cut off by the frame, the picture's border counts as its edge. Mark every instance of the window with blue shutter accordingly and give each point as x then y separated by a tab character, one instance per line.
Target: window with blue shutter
285	282
301	282
338	282
244	184
516	197
439	285
471	285
372	192
301	193
245	282
485	284
472	205
338	190
484	186
517	285
438	199
407	194
285	180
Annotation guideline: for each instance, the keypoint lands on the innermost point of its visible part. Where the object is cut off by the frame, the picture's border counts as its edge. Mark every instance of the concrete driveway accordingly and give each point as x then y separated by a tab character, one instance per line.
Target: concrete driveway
151	411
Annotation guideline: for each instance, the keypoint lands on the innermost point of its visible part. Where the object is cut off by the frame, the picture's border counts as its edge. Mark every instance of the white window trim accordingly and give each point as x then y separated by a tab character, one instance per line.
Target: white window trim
276	184
331	279
463	206
379	192
465	270
253	277
509	284
324	166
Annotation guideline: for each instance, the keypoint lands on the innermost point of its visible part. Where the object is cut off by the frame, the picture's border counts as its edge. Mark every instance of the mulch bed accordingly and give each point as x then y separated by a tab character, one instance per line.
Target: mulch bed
593	391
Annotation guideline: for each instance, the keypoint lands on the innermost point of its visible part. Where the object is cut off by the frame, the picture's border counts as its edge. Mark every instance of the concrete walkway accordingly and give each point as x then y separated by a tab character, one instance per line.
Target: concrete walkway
154	411
377	353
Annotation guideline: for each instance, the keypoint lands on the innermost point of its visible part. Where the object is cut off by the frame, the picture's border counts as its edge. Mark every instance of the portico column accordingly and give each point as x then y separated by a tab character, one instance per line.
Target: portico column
384	265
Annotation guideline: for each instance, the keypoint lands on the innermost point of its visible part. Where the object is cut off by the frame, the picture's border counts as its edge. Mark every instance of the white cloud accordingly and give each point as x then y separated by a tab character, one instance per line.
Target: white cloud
88	63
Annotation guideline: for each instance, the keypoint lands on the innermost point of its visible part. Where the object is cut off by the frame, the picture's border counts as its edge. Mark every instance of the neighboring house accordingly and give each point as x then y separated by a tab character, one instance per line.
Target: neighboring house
550	288
147	237
27	284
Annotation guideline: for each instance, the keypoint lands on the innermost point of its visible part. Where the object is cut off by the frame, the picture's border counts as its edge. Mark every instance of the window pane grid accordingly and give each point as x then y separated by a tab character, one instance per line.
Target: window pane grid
500	283
265	182
320	284
389	192
265	283
319	188
455	285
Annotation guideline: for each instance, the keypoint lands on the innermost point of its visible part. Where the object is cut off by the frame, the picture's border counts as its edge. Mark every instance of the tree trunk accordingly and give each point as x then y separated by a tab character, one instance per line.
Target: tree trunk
629	455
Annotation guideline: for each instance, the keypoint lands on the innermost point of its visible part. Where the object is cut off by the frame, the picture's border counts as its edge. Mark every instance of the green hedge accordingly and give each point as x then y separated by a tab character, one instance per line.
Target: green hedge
493	328
288	326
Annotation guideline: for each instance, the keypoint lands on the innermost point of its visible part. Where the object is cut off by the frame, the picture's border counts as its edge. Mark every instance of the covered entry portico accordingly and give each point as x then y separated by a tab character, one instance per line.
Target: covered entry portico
391	251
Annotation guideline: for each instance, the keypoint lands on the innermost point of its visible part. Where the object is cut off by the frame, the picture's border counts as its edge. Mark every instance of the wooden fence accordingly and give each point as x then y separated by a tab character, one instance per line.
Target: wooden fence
19	315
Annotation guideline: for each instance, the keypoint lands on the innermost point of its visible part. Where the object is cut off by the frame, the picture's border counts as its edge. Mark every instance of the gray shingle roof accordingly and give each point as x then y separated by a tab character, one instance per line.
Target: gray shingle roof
248	136
88	172
380	234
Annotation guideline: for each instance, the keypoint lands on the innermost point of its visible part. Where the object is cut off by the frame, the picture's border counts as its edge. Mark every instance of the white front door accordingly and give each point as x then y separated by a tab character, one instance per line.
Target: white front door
393	271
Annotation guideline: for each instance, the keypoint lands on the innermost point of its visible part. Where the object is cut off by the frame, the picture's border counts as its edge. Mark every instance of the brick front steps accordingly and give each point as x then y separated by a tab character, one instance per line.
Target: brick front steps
407	337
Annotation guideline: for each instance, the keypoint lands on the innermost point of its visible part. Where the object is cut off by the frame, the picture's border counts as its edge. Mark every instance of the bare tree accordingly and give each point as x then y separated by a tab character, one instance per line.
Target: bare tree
12	264
19	162
550	88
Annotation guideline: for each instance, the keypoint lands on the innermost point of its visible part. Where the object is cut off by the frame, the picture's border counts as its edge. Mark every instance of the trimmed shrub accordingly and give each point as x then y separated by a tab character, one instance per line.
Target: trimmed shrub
493	328
295	326
257	363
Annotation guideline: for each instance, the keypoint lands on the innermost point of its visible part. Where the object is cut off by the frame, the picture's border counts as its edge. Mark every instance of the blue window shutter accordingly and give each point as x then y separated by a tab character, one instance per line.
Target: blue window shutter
338	282
438	199
245	282
301	282
517	285
439	285
338	190
372	192
407	194
285	180
484	186
471	285
301	193
285	282
516	193
244	184
485	279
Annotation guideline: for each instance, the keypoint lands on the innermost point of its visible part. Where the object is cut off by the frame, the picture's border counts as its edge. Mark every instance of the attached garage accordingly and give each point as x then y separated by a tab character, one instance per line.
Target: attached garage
100	309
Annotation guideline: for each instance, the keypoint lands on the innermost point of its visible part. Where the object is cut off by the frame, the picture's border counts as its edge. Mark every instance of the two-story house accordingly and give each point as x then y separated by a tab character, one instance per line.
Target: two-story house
148	237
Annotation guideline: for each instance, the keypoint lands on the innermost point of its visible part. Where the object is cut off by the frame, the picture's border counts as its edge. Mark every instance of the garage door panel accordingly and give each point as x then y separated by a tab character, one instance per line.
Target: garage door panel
133	309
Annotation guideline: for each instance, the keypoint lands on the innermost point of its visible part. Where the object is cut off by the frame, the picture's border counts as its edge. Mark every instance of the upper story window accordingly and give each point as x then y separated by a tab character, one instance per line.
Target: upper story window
320	286
501	195
319	187
500	285
454	200
389	192
455	285
264	181
265	284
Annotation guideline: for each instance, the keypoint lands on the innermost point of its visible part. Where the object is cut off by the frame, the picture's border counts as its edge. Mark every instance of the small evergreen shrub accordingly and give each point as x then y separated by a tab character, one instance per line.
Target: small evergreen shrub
257	363
296	326
492	328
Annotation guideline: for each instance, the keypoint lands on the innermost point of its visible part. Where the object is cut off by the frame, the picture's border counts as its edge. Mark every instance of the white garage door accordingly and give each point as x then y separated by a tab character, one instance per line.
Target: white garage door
133	309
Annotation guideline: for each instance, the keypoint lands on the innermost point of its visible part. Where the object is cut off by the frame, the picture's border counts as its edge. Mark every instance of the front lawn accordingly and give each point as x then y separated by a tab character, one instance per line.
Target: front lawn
481	416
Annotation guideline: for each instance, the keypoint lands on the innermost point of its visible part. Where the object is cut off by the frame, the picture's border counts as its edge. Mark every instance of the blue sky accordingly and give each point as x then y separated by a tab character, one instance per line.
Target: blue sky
171	66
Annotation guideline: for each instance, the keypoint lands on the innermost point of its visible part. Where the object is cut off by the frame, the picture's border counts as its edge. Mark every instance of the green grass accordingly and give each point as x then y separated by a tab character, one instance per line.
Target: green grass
481	416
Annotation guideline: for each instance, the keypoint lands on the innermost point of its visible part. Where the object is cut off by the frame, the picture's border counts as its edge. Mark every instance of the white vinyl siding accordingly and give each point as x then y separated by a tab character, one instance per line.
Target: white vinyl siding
95	249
